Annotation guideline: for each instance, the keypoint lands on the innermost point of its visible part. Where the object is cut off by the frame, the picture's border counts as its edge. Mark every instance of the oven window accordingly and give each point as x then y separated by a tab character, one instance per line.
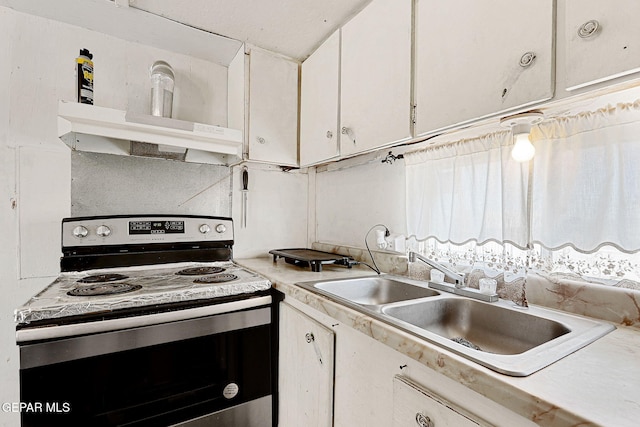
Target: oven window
152	386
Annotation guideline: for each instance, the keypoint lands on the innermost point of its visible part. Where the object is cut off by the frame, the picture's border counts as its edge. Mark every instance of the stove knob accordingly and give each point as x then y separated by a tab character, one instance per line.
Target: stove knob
204	228
221	228
80	231
103	231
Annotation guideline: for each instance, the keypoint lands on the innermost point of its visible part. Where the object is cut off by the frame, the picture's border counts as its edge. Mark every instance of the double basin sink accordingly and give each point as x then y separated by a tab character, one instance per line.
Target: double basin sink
500	335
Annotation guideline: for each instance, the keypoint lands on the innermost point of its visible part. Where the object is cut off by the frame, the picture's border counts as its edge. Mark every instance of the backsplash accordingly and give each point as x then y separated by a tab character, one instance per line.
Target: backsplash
617	305
106	184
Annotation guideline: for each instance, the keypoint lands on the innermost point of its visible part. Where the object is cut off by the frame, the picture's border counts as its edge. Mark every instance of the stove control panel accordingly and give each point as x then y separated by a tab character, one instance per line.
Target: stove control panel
123	230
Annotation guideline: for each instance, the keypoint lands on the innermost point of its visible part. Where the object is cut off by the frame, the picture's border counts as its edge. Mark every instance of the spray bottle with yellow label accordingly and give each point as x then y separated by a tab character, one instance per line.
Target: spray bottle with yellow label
85	77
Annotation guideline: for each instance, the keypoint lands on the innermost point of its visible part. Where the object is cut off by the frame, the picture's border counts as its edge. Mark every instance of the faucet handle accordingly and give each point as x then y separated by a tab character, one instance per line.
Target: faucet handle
462	282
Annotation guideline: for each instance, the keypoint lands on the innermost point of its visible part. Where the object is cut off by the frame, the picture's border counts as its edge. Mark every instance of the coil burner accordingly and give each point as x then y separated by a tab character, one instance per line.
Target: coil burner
200	271
102	278
103	289
216	278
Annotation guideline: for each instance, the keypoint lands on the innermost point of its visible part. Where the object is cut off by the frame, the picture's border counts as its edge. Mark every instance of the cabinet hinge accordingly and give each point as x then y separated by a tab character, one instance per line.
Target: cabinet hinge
413	114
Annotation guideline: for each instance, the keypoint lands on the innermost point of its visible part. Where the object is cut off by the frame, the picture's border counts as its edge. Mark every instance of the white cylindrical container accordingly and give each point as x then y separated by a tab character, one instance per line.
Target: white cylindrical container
162	82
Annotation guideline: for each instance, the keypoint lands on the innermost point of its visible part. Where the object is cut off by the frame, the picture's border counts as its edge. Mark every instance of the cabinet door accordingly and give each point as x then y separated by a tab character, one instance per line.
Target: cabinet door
475	59
319	135
306	364
273	109
602	40
414	406
375	76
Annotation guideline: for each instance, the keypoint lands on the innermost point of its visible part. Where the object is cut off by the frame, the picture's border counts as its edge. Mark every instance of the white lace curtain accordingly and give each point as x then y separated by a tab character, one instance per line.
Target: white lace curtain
470	190
581	196
586	181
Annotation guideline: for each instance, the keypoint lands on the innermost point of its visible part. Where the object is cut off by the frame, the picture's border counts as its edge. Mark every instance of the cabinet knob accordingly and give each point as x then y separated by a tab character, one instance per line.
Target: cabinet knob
527	59
423	421
349	132
588	29
260	140
329	134
312	340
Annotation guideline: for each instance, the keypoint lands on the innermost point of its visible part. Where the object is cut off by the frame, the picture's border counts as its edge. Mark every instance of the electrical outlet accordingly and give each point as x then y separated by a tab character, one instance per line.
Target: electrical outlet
396	243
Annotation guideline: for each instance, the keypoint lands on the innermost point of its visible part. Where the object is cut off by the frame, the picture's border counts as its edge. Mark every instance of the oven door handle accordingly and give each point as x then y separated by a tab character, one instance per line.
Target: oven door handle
93	339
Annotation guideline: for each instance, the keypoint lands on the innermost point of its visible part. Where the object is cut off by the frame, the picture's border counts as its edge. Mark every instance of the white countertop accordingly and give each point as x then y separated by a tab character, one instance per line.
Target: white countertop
597	385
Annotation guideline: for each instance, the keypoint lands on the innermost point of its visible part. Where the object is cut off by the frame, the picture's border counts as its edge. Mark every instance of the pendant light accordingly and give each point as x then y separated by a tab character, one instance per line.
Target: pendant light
520	125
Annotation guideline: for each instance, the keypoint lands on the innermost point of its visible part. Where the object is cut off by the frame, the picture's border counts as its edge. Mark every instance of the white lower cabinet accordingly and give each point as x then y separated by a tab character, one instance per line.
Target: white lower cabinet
306	366
374	385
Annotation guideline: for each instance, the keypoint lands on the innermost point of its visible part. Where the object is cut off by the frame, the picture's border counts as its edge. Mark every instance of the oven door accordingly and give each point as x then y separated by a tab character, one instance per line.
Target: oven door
212	370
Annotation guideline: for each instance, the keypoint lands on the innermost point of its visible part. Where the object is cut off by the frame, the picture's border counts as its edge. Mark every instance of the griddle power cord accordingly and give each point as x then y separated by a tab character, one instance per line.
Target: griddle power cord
350	263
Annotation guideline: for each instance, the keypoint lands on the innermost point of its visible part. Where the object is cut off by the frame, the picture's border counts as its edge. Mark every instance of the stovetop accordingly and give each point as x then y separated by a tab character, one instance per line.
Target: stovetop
151	285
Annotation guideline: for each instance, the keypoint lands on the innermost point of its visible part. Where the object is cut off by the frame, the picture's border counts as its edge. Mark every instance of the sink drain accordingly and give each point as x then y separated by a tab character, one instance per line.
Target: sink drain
466	343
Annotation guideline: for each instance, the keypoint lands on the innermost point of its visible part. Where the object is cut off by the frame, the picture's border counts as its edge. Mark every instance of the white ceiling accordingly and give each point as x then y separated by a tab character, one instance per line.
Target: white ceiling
291	27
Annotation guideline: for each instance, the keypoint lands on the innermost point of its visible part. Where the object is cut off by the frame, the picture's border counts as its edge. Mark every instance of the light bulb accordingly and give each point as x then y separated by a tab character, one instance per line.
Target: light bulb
523	150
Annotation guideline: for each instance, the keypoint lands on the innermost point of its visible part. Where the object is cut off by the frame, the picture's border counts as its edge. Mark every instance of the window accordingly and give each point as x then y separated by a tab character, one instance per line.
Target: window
574	210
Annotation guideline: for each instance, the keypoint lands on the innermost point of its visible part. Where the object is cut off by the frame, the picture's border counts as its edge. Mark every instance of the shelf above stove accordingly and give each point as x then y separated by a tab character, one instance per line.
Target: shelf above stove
104	130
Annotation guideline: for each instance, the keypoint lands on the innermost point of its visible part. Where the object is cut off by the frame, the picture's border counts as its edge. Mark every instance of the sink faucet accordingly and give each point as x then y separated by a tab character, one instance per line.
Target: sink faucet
458	287
458	278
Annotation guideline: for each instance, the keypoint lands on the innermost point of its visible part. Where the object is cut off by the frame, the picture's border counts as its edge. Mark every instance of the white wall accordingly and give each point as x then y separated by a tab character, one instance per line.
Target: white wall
350	201
37	69
277	210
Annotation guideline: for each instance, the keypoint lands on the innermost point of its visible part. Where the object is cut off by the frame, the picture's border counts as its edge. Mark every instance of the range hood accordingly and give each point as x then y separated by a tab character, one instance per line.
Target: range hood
96	129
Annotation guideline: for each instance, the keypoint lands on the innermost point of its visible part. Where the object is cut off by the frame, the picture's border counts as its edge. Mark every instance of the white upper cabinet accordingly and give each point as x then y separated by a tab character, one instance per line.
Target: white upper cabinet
273	108
319	132
376	77
475	59
602	40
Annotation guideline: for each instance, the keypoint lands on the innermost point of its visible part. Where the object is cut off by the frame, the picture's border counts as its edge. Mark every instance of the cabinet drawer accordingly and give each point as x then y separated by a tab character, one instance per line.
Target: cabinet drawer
413	405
